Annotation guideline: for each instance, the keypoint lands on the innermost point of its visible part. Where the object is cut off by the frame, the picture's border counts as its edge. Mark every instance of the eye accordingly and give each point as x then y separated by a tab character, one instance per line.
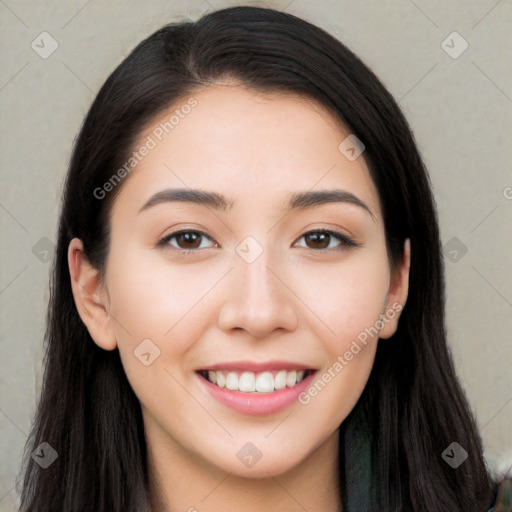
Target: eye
322	238
187	240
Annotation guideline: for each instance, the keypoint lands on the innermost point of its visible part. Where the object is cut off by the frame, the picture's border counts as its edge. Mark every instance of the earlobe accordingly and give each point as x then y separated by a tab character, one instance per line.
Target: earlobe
90	297
397	294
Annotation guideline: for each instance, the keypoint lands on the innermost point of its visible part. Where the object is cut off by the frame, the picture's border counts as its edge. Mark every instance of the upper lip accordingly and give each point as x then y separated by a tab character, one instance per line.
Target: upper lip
254	366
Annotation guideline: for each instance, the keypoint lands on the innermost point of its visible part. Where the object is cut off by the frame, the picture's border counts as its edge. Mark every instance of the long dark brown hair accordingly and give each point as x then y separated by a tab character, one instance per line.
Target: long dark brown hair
413	405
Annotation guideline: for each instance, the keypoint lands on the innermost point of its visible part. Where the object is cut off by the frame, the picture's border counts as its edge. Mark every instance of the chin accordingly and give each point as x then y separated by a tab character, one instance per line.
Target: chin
249	462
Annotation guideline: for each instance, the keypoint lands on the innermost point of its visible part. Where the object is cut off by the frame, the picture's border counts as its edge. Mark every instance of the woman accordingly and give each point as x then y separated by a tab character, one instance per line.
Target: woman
247	300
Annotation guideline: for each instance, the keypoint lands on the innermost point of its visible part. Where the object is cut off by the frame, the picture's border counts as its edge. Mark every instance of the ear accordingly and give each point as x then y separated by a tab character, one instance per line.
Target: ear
90	296
397	294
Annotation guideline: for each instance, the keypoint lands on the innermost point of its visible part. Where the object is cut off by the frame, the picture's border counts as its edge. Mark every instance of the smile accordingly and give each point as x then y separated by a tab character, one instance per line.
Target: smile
267	381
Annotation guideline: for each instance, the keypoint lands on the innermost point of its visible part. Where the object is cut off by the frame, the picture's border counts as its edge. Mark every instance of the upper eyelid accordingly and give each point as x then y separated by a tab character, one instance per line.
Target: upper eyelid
343	238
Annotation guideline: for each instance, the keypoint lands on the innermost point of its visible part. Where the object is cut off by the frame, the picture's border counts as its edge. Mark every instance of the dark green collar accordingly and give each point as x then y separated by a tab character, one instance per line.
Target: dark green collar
360	484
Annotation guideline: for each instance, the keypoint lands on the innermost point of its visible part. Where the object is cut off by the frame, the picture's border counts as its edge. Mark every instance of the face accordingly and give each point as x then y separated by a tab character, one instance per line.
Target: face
279	297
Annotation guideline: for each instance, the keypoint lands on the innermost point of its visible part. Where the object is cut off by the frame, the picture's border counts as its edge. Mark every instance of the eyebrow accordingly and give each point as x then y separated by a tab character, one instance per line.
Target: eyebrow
297	200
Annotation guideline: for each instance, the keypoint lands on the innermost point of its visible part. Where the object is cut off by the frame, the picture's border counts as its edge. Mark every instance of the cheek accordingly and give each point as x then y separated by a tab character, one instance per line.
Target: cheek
158	309
344	298
333	394
349	303
155	300
349	299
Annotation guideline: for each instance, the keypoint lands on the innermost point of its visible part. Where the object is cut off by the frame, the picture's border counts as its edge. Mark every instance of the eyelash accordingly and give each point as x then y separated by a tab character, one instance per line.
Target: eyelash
344	239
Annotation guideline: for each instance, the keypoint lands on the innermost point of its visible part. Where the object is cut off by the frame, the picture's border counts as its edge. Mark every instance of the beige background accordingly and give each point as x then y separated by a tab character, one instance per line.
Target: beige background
460	110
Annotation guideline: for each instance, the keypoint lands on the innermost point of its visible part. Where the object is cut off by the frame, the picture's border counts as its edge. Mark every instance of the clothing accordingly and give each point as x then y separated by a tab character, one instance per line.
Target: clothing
360	486
503	501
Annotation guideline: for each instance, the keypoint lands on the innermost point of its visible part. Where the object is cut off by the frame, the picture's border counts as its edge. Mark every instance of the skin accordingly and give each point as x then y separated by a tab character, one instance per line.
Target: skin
292	303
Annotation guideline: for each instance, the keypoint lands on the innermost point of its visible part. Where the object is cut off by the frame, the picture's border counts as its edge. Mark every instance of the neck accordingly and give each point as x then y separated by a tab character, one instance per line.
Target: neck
183	481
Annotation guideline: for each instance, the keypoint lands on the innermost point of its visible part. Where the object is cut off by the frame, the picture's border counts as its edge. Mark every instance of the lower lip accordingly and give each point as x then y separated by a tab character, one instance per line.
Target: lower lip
257	404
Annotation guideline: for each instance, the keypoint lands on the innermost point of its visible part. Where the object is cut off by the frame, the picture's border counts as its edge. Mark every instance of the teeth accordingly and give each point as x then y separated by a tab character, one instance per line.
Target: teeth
219	377
232	381
291	378
265	382
249	382
280	380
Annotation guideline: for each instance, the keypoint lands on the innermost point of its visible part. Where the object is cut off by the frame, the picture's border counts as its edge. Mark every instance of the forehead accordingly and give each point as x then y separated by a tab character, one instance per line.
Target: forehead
241	142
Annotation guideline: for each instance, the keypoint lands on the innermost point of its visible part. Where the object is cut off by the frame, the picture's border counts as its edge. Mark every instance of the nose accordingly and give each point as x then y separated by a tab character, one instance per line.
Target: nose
258	299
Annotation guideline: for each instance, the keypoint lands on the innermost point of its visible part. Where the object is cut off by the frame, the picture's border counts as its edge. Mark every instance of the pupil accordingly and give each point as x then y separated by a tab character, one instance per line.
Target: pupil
320	239
324	237
188	238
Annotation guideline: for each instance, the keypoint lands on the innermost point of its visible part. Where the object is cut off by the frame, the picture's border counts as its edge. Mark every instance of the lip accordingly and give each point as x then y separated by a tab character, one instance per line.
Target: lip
254	404
254	366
